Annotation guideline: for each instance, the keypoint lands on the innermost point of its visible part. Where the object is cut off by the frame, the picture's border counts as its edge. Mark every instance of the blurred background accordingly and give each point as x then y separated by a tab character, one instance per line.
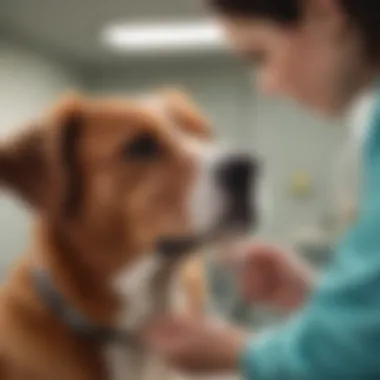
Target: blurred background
49	47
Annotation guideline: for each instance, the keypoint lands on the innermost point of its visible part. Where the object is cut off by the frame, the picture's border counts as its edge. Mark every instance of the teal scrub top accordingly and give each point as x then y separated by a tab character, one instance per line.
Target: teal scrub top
337	335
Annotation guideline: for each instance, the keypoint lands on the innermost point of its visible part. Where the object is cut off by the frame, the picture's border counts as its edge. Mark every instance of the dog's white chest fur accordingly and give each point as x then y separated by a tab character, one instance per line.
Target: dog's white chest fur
135	285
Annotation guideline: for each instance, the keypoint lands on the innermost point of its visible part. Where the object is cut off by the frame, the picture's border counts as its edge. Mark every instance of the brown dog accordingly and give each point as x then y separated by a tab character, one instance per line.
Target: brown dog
120	191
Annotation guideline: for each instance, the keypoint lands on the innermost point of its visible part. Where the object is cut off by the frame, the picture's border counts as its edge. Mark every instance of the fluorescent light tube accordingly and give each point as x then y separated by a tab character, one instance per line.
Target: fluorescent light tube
140	37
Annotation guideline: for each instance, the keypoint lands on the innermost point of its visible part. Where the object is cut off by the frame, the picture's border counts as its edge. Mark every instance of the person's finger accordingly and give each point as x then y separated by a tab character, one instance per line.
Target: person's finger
293	291
241	254
167	344
261	279
255	288
288	299
260	249
162	329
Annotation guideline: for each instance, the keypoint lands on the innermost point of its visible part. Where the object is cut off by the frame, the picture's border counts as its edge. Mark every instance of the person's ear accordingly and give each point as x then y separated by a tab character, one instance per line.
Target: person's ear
40	165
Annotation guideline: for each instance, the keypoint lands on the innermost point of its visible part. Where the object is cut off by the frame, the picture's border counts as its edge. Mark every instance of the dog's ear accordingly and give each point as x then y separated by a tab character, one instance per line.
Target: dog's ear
68	119
40	164
184	111
24	166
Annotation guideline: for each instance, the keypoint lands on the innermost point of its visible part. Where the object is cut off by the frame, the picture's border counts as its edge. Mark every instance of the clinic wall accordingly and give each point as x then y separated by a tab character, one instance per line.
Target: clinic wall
29	83
220	88
288	139
294	142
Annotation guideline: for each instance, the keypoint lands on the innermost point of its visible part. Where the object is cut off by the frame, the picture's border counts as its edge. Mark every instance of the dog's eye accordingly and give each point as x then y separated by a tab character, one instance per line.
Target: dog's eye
143	147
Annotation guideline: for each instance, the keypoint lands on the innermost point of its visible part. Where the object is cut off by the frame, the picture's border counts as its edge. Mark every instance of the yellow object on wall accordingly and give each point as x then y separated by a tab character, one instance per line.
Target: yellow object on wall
301	184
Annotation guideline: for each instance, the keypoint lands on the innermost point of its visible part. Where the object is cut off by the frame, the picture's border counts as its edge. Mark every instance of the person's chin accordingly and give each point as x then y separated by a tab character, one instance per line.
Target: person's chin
330	113
327	110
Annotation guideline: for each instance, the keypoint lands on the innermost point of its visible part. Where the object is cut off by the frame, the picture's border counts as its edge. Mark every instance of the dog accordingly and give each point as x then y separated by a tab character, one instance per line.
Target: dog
121	191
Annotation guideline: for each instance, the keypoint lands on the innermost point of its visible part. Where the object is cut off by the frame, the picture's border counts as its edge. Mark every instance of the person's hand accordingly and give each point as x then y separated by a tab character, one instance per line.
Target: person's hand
270	276
195	345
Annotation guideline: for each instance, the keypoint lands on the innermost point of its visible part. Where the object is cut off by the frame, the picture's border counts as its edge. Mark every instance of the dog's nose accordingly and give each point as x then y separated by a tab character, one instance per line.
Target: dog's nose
236	174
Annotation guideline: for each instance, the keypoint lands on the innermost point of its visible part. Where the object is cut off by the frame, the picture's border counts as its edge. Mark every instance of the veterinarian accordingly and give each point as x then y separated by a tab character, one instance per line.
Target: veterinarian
325	54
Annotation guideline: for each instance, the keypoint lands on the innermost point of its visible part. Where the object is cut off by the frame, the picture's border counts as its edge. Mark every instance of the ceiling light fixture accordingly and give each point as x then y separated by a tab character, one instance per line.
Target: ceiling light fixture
145	37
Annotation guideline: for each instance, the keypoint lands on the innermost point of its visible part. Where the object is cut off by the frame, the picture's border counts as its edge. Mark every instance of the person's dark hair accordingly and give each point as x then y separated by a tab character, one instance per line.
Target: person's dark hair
365	14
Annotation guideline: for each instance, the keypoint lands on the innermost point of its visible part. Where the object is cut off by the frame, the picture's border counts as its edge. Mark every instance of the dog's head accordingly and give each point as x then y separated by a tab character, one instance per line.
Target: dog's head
120	179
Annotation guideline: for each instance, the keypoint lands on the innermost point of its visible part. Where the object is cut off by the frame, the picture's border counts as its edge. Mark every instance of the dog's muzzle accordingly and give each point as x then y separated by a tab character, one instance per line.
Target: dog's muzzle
234	177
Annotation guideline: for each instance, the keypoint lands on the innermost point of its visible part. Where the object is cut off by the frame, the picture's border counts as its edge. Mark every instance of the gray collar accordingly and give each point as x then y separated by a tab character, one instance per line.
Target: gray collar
77	322
72	317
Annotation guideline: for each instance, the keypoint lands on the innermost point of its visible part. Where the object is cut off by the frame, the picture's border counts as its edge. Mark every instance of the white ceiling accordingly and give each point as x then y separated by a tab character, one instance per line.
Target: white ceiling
71	28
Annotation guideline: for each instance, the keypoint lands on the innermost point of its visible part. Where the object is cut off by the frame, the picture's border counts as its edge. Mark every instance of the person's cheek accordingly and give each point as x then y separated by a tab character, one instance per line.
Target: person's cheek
318	77
269	81
285	71
302	70
293	75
